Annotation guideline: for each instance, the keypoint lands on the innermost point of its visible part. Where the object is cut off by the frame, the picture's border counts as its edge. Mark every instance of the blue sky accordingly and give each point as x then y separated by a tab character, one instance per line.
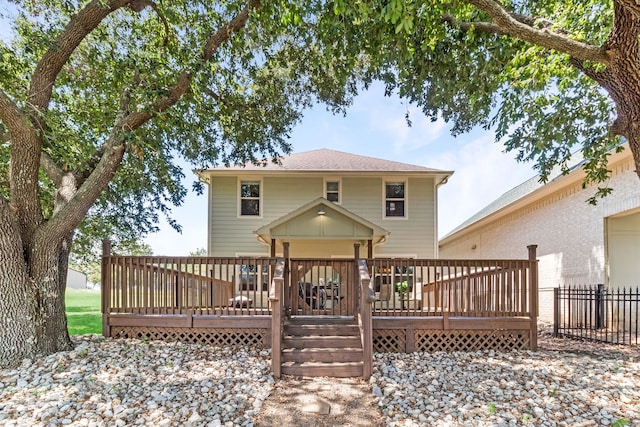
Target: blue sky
375	126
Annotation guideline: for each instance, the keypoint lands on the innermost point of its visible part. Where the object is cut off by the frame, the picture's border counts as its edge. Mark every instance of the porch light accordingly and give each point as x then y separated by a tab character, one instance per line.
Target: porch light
321	211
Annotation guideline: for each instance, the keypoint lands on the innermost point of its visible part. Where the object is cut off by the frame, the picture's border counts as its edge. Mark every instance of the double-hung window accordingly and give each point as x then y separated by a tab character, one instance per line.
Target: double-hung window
395	199
332	190
250	198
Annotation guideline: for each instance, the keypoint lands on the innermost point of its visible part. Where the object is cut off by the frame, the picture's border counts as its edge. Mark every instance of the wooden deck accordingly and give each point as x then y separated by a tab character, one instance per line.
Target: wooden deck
398	305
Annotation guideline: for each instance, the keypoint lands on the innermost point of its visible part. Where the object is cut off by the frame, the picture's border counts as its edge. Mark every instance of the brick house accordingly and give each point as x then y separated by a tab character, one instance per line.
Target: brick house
578	243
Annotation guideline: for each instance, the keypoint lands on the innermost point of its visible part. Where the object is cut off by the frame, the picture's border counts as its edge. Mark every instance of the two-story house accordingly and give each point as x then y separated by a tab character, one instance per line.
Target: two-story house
323	202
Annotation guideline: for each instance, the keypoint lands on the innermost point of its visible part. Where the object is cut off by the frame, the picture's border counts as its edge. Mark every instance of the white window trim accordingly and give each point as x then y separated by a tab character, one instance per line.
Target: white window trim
239	197
405	181
324	188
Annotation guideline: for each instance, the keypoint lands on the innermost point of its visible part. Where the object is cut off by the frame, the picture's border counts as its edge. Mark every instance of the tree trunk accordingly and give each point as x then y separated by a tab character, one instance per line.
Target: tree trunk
32	310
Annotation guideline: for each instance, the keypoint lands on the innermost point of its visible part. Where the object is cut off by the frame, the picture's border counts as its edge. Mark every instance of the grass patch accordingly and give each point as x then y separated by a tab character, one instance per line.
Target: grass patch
83	312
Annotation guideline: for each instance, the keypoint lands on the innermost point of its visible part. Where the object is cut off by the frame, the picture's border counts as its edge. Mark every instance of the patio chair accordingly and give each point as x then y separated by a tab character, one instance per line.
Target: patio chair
385	293
312	295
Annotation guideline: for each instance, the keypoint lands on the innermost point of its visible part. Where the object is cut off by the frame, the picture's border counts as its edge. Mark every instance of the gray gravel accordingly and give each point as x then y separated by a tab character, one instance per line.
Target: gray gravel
132	382
507	389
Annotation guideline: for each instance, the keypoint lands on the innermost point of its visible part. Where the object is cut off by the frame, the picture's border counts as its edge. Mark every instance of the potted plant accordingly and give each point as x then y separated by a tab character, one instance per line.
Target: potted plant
403	289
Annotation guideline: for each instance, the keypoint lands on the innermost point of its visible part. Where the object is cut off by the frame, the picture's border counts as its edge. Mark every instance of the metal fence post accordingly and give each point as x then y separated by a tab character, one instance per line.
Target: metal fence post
556	311
600	306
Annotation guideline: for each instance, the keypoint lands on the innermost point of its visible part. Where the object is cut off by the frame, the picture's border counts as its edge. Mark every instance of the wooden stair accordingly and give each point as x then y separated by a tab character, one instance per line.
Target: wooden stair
322	347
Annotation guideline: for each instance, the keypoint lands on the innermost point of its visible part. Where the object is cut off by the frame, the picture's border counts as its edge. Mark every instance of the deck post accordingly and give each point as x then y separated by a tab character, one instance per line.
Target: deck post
105	287
533	296
367	297
275	298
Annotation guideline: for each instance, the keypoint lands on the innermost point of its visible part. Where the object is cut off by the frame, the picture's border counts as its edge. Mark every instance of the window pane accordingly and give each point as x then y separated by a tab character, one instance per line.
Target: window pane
250	207
395	208
333	186
395	190
250	189
332	197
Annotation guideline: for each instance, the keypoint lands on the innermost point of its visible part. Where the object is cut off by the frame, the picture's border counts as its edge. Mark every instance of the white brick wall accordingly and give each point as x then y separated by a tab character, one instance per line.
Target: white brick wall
569	232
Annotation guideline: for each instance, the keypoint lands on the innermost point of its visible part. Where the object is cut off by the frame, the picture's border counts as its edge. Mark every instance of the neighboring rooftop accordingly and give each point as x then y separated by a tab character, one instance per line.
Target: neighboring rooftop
521	191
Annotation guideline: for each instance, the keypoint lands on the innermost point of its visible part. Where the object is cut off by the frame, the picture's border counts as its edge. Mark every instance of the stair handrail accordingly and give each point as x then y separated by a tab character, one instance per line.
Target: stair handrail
367	297
276	298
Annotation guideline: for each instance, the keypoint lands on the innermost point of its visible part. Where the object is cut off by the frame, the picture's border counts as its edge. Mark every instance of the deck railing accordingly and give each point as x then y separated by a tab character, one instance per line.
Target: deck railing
478	288
240	286
177	285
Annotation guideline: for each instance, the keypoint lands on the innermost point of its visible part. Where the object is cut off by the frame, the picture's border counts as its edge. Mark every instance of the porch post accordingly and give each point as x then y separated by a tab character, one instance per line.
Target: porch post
273	248
356	278
370	249
287	279
533	296
105	287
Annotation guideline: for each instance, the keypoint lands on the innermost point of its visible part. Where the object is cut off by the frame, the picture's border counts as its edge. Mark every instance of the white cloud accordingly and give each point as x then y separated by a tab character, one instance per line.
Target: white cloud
482	174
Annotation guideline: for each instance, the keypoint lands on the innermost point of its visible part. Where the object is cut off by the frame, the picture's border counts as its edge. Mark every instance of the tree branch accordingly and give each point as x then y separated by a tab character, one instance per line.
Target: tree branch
12	117
137	119
72	213
63	46
525	28
23	180
51	168
623	38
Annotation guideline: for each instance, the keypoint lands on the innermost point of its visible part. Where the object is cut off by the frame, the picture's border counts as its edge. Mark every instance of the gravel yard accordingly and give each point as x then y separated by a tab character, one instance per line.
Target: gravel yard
133	382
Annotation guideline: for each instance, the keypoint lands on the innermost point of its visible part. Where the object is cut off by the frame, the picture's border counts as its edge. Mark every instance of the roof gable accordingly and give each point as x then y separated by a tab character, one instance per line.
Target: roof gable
335	223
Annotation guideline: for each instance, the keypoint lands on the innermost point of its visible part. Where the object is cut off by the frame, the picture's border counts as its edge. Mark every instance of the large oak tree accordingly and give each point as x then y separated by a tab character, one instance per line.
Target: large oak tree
549	76
99	98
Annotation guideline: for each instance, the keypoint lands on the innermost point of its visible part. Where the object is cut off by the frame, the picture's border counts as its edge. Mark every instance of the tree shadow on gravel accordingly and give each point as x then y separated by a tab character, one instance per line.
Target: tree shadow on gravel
298	401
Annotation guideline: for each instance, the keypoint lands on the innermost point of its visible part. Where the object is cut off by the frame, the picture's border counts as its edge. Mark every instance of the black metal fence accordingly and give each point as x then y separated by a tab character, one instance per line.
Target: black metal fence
597	313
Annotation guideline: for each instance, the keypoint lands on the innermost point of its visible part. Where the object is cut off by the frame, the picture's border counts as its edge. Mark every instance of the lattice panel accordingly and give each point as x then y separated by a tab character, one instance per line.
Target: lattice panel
389	340
215	337
471	340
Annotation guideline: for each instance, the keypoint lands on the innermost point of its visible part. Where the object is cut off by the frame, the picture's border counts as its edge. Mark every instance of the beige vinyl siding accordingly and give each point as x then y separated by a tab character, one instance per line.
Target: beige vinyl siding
229	234
416	234
363	196
285	194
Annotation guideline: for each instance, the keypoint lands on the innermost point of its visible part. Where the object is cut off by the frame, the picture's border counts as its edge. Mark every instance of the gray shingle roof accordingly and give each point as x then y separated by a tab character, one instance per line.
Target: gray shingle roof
326	160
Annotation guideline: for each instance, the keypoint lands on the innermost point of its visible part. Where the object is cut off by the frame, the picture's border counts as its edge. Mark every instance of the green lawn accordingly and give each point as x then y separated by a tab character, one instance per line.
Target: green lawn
83	312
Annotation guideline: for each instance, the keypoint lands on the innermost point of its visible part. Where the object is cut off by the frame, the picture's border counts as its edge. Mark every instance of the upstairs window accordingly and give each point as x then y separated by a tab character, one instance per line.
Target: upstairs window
394	199
250	198
332	191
